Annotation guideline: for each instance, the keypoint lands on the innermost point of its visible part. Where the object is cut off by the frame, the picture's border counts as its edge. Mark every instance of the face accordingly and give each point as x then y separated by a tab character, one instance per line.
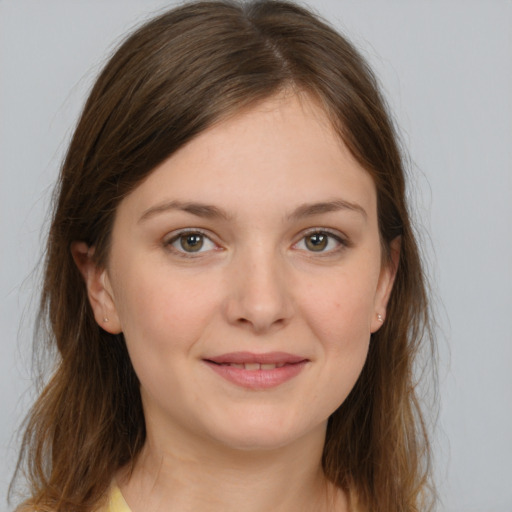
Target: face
246	275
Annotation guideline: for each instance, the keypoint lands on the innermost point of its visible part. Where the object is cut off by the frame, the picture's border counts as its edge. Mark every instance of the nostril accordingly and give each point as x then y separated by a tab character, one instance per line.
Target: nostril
260	325
257	310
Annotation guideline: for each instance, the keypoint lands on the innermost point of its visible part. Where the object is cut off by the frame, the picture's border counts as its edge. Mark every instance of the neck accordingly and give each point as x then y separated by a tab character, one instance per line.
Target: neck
181	477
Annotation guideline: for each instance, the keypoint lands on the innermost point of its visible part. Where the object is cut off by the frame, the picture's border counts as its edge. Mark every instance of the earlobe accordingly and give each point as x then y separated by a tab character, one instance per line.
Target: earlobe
99	290
385	285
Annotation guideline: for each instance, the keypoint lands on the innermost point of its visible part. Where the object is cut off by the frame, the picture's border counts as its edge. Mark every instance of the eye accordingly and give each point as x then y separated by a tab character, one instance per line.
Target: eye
191	242
319	241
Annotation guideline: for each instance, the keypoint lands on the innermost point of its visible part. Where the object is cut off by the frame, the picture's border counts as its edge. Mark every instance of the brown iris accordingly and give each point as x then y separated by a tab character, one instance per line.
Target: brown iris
191	242
317	241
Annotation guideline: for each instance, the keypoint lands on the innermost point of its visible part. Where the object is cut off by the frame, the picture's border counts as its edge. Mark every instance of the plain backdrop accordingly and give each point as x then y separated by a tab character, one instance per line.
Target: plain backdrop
446	69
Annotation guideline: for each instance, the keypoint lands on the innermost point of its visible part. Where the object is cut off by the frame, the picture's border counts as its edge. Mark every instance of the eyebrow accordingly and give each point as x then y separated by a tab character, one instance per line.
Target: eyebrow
213	212
310	209
199	209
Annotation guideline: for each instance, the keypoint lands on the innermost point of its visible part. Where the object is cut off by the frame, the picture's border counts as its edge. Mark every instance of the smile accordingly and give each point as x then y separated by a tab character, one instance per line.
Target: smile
257	371
255	366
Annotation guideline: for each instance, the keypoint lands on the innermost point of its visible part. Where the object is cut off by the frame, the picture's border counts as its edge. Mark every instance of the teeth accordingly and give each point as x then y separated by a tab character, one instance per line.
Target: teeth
256	366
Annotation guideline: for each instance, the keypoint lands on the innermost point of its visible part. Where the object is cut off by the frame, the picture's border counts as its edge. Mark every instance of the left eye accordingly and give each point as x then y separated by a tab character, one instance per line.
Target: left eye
319	241
191	242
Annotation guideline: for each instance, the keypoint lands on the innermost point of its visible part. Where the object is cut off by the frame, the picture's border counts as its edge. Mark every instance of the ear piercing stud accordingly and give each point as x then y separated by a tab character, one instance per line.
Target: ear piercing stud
105	319
379	317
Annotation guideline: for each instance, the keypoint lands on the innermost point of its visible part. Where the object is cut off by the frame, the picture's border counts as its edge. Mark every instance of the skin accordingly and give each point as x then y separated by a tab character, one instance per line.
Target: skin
256	285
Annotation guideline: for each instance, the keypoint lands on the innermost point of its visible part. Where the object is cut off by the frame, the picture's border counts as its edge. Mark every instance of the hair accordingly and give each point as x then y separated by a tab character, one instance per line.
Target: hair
174	77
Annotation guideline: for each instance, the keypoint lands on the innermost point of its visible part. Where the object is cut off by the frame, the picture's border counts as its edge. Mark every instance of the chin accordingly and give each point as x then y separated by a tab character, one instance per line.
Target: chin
264	434
255	443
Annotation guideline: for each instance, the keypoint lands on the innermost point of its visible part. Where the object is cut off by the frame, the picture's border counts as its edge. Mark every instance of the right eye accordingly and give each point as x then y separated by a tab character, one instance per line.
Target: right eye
191	242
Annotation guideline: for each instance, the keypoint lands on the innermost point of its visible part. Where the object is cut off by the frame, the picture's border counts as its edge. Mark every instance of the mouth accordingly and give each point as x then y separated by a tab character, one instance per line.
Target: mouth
257	371
252	366
277	359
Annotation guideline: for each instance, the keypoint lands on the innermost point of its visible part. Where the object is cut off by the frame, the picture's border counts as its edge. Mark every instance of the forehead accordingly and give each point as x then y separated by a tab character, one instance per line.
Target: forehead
280	152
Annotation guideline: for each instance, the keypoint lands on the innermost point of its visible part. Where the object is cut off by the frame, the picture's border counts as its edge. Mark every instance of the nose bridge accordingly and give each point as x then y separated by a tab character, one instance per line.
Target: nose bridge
259	291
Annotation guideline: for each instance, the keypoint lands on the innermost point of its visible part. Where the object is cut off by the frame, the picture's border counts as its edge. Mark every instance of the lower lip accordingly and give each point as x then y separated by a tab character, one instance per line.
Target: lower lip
258	379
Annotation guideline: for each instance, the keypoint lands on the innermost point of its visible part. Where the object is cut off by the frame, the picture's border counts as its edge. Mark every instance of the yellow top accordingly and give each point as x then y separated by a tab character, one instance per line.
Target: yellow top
115	502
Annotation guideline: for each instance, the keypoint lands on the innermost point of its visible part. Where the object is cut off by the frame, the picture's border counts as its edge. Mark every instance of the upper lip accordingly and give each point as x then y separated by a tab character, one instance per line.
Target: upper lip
251	357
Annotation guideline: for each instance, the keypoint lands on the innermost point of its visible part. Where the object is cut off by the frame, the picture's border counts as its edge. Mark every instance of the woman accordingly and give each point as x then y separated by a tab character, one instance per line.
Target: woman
232	281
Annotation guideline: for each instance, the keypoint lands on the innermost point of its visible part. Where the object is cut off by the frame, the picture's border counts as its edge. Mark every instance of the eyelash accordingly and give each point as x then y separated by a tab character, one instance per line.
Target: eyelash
340	240
169	242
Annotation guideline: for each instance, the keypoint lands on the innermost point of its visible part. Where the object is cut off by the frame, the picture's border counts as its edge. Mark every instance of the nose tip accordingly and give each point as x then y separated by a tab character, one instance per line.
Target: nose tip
260	321
259	298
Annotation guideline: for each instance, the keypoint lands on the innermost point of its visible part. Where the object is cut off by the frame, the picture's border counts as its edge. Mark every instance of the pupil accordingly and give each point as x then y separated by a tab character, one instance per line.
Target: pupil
192	243
317	242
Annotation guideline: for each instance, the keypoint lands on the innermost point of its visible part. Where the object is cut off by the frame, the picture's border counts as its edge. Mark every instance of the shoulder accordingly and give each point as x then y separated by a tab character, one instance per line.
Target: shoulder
114	502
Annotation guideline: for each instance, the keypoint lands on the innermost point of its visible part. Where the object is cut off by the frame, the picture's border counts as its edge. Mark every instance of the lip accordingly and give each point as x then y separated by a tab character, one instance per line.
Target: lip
251	357
290	365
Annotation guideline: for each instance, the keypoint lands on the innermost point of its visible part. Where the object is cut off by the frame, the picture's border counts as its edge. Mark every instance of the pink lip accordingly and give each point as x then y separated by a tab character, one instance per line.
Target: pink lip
257	379
251	357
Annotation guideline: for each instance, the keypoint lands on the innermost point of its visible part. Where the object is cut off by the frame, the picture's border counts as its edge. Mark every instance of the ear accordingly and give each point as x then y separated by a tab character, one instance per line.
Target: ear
99	290
385	284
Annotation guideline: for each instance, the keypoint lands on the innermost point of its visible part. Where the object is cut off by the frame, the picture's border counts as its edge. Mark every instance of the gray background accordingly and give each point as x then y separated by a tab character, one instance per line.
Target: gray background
446	67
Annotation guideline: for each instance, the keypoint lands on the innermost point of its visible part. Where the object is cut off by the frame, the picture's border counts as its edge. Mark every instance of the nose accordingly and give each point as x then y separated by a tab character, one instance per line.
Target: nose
259	293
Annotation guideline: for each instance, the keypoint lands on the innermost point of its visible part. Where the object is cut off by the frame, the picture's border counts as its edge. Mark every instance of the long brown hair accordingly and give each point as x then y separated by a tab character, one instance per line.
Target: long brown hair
173	78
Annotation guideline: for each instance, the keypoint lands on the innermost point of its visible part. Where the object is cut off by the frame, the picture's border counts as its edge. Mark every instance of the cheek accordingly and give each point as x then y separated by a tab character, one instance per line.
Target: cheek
164	318
164	313
338	312
340	308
